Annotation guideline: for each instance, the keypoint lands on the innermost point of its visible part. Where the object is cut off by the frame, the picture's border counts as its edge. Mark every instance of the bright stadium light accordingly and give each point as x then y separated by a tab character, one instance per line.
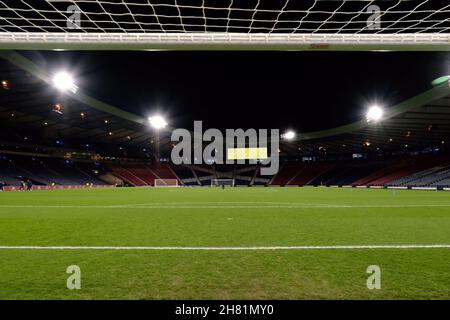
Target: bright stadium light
289	135
375	114
157	122
64	81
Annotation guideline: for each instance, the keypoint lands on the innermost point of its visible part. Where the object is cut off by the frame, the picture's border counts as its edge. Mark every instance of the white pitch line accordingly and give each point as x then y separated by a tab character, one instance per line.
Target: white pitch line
172	206
413	246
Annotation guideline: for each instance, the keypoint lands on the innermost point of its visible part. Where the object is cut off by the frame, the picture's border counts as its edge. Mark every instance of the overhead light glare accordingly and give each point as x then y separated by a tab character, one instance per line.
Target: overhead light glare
289	135
157	122
375	114
63	81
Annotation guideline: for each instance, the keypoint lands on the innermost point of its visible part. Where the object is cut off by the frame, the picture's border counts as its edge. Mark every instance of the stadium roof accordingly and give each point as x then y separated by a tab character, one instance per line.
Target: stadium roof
27	110
419	122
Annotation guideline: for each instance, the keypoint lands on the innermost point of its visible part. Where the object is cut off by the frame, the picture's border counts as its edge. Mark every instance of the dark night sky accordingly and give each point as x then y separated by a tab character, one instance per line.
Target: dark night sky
301	90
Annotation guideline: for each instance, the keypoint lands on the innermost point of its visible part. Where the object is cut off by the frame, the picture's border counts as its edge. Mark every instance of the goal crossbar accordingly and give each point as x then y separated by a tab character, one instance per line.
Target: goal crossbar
166	183
222	182
223	41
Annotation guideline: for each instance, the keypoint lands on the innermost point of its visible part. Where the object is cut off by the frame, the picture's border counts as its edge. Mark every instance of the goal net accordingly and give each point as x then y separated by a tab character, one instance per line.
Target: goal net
222	182
166	183
225	24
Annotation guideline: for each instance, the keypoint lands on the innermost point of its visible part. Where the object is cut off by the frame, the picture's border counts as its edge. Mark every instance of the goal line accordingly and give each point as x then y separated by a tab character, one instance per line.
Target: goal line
255	248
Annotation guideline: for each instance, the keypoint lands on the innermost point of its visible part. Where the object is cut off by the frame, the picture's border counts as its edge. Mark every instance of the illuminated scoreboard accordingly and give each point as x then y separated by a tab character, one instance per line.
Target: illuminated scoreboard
247	153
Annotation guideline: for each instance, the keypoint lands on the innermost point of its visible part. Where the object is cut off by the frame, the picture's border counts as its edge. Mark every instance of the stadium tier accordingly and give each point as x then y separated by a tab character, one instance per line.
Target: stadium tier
287	172
143	175
43	171
127	175
344	174
421	170
309	172
410	171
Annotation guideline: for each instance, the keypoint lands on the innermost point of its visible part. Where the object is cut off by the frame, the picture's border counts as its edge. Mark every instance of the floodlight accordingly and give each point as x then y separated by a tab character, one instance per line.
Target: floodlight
375	113
64	81
5	84
157	122
289	135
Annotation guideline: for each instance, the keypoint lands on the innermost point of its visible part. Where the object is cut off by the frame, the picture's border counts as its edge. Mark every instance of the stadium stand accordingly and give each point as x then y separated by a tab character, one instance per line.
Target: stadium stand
326	173
163	171
441	179
287	172
375	172
346	172
143	174
259	179
245	175
403	168
185	174
204	174
438	178
378	175
421	178
309	172
43	171
405	171
127	176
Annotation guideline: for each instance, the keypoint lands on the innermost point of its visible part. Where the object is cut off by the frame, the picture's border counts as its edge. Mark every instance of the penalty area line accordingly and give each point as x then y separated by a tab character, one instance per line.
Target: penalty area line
255	248
206	206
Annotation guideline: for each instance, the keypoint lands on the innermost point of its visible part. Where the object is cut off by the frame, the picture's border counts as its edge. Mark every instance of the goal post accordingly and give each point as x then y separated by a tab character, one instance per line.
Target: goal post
166	183
222	182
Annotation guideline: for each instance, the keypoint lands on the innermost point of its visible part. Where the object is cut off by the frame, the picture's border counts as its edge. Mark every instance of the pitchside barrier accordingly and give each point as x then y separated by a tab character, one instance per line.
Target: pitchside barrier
17	188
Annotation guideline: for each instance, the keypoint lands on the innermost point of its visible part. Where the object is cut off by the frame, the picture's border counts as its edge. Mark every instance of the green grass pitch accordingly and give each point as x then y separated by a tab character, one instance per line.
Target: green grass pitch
234	217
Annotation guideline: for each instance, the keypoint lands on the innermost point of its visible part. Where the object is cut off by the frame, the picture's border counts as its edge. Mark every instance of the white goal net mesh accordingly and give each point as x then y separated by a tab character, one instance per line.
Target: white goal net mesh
166	183
262	22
